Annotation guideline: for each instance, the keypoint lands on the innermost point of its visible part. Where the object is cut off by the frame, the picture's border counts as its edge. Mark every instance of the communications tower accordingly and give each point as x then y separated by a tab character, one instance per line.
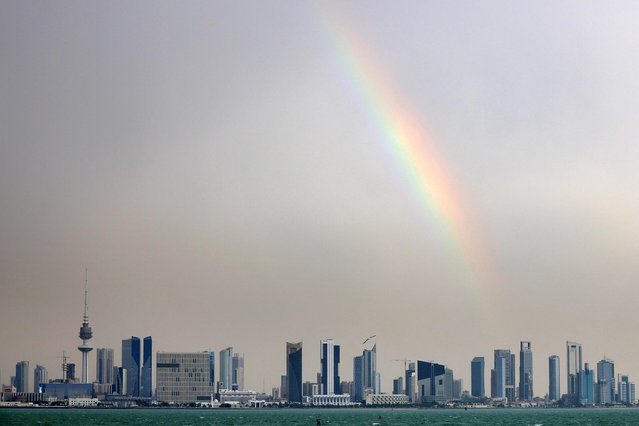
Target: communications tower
85	334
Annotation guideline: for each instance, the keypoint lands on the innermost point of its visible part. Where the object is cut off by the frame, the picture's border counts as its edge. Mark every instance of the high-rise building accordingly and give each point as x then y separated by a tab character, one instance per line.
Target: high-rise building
22	376
104	365
477	388
183	377
498	378
284	385
212	368
554	390
573	367
237	365
40	375
131	363
329	359
606	381
119	380
71	377
586	386
508	373
85	334
358	379
626	390
411	381
370	376
434	382
525	371
147	368
398	386
226	368
458	384
294	371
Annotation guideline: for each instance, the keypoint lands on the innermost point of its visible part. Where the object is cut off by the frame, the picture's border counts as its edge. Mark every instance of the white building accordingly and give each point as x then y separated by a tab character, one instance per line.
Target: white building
237	397
331	400
386	399
83	402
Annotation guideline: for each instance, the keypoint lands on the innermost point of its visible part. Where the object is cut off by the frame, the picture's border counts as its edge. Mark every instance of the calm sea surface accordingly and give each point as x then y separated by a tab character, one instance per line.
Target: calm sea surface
194	417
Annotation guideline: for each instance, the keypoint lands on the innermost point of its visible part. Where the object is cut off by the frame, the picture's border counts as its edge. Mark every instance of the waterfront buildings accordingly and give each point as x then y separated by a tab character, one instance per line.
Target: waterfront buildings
40	375
573	367
329	360
22	376
332	400
226	368
294	371
183	377
525	371
104	365
477	388
554	390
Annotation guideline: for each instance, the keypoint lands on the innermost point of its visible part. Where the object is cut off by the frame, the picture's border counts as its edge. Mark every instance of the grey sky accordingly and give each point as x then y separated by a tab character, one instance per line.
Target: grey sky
207	162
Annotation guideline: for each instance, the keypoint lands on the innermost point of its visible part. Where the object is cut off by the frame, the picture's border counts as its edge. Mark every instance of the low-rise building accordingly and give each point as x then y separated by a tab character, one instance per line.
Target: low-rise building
331	400
387	399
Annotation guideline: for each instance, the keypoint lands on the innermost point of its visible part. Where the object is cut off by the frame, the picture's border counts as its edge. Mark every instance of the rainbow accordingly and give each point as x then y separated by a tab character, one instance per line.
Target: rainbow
412	149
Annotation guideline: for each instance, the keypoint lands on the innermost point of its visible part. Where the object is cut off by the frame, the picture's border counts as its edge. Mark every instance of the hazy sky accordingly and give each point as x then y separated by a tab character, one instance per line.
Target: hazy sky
212	166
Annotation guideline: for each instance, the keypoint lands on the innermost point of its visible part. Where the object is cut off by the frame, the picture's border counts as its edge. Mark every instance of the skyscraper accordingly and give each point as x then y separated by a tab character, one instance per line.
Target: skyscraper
508	373
434	382
525	371
573	367
358	379
477	388
606	381
554	390
498	378
212	369
238	372
294	371
410	380
104	365
370	376
85	334
131	363
329	359
40	375
147	368
22	376
226	368
586	386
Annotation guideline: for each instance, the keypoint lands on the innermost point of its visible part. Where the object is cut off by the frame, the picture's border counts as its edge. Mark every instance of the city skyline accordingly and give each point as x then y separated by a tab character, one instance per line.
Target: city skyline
453	178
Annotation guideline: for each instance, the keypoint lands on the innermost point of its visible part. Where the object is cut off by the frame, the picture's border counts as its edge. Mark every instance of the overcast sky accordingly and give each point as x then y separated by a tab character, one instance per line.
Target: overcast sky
211	166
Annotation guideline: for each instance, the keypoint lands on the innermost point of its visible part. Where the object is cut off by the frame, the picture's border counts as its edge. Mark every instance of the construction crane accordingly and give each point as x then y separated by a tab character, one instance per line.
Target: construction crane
64	358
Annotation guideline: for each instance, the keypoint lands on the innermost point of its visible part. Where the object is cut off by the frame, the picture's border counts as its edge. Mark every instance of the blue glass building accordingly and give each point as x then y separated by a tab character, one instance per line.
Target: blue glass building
294	371
477	388
131	363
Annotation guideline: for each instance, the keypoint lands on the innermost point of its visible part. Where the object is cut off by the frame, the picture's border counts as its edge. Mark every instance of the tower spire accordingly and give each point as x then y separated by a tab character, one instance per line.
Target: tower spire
85	318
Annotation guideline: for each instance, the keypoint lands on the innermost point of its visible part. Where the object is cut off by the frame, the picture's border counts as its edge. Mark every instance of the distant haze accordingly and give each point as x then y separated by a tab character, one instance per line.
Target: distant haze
210	165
